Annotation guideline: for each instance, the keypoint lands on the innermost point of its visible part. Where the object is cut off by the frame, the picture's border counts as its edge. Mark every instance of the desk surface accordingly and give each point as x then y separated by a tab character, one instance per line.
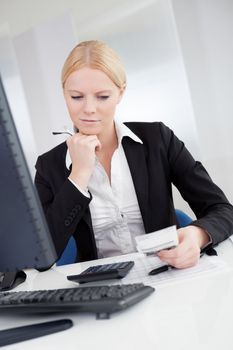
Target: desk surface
194	314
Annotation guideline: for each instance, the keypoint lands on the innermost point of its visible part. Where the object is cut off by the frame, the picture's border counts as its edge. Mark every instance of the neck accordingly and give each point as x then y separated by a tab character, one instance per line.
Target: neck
109	140
109	144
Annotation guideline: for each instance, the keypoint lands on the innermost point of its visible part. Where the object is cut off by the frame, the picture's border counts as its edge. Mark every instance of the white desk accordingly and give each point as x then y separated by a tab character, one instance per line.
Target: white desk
189	315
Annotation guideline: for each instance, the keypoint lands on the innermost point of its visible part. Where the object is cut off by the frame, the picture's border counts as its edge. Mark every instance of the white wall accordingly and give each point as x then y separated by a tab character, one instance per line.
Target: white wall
41	52
205	31
16	98
157	83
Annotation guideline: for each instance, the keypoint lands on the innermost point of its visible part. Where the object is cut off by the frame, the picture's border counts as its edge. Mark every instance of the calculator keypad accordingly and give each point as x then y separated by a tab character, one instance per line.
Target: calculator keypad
107	267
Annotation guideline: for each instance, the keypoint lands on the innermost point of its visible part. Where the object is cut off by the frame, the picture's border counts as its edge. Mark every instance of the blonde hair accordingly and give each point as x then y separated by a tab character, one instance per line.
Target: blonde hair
97	55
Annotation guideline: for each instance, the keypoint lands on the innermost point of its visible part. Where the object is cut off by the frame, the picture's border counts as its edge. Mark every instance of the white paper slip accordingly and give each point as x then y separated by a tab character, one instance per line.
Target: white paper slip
157	240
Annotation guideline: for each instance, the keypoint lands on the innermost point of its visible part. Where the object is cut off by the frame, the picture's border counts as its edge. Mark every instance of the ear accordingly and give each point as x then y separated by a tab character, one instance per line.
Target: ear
121	93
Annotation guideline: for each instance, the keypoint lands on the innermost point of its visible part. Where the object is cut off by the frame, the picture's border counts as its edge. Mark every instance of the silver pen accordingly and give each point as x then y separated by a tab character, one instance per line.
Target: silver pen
62	132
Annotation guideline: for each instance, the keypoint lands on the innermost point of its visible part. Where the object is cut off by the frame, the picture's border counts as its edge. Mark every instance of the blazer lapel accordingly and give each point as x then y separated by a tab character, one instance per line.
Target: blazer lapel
136	157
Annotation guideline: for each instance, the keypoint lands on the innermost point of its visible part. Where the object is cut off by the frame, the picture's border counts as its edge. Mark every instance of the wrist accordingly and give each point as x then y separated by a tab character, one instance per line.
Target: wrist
79	180
85	192
202	236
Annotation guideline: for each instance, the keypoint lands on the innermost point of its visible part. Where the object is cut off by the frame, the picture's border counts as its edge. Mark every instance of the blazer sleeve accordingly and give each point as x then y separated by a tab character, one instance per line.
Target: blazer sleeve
63	206
213	211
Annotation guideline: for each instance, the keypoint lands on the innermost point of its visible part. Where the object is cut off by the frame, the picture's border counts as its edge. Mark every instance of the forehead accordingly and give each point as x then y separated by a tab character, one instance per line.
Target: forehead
88	79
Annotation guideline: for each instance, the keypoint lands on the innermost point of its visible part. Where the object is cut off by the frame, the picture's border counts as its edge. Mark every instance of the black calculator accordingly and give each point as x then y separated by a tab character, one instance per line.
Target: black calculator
103	272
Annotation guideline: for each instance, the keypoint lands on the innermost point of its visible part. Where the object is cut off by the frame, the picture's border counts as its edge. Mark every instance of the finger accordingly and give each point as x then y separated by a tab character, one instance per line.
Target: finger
83	140
95	143
173	253
98	145
182	261
68	139
186	262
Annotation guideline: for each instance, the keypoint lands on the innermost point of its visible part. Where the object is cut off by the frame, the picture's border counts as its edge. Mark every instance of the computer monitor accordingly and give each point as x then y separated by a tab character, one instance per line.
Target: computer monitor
25	240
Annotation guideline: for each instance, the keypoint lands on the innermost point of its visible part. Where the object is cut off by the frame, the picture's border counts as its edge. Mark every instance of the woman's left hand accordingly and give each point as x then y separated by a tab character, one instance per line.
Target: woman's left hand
187	253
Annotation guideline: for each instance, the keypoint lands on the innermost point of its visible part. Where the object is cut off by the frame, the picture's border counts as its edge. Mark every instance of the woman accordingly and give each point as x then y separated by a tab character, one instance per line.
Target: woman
111	182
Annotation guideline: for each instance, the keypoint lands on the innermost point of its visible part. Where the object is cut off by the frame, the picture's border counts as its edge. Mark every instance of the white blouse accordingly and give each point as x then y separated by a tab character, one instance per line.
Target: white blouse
115	213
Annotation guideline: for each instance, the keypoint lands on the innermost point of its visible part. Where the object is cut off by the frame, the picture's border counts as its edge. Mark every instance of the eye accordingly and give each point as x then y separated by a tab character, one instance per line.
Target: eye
76	97
103	97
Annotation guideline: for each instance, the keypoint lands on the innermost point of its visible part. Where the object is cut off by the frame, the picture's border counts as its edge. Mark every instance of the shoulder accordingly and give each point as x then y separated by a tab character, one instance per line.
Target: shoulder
56	152
56	155
151	130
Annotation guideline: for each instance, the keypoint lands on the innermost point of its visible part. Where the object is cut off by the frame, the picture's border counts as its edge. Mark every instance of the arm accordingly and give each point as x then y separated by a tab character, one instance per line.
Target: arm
64	205
63	199
213	211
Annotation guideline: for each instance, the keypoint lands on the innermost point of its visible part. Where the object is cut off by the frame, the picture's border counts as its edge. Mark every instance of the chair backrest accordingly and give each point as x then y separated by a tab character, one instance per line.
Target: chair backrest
182	218
69	255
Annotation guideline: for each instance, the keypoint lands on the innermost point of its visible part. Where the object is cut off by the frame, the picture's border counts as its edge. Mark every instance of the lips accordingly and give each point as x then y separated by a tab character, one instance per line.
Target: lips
90	120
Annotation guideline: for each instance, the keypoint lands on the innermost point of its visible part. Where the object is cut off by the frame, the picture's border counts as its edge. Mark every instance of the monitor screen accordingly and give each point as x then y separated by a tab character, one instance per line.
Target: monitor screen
25	240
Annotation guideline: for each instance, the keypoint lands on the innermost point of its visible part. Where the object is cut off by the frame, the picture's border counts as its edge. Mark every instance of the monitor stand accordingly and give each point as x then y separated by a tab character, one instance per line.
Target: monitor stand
10	280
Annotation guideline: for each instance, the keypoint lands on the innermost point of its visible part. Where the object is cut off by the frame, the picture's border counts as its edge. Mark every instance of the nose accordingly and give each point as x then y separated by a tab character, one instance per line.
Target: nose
89	107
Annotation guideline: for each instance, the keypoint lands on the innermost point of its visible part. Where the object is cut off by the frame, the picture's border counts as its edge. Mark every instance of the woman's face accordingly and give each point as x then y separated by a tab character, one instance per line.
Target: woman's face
91	98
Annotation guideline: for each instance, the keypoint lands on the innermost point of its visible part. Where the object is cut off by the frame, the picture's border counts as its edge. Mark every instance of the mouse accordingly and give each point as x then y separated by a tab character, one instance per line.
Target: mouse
10	280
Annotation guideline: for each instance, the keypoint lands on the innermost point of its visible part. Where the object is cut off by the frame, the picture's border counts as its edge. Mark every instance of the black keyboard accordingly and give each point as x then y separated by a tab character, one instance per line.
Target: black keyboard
102	300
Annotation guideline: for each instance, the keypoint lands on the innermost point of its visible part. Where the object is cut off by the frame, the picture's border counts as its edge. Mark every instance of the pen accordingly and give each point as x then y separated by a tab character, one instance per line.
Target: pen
164	268
62	132
160	269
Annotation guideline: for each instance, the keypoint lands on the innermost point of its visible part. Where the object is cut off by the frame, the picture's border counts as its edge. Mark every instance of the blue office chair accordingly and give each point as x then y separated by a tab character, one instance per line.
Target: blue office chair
182	218
70	253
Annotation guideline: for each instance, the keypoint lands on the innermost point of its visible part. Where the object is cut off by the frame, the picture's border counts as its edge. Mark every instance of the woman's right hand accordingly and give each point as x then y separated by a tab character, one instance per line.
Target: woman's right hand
82	150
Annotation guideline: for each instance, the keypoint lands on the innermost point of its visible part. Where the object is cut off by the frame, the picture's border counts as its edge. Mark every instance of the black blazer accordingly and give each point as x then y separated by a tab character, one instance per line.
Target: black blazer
161	160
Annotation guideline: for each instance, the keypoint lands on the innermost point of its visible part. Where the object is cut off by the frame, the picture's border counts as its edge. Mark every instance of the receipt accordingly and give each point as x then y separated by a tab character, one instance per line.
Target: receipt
157	240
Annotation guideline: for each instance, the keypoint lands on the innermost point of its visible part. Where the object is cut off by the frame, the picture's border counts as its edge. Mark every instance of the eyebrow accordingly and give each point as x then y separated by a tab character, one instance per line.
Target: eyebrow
97	92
